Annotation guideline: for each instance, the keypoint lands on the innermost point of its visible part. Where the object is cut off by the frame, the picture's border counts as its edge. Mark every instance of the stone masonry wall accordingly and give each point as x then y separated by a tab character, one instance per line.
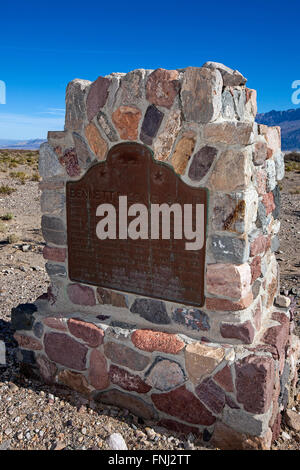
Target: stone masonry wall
223	370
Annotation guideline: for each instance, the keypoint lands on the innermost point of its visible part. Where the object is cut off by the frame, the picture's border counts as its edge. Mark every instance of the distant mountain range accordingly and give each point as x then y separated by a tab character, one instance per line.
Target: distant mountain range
289	121
33	144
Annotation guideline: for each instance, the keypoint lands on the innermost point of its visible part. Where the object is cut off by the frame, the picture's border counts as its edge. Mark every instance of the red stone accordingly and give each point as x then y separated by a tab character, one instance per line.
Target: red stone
179	428
97	96
255	382
27	342
70	161
149	340
277	336
64	350
81	295
242	331
54	254
227	305
98	375
88	332
183	404
211	395
255	268
162	87
224	378
259	245
127	381
268	202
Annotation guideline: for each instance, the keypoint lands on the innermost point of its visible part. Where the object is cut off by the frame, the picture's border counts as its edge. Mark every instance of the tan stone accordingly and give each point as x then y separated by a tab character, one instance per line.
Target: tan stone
201	360
75	381
231	172
165	140
183	152
230	133
227	438
126	119
251	102
201	94
96	142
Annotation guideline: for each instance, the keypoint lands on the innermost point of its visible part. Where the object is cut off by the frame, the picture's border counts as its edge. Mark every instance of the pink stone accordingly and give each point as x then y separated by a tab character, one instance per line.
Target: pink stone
28	342
268	202
257	316
54	254
224	378
98	375
56	323
183	404
162	87
88	332
261	182
81	295
259	245
273	138
149	340
228	280
127	381
242	331
64	350
227	305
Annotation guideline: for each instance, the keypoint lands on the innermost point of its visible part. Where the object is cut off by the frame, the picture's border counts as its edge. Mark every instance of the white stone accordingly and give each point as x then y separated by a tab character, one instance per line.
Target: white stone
116	442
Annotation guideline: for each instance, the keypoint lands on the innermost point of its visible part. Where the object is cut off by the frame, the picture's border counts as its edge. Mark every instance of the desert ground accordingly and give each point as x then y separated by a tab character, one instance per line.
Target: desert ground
36	416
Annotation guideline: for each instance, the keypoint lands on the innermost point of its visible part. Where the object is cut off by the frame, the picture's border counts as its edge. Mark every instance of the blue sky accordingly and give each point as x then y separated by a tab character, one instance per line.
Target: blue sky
46	44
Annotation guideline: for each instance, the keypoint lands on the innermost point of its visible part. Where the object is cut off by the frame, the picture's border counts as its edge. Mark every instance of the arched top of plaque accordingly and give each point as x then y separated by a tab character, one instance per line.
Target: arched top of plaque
160	267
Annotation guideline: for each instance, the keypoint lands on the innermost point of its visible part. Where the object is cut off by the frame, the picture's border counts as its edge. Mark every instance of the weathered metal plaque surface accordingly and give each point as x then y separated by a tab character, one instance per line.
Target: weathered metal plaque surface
160	268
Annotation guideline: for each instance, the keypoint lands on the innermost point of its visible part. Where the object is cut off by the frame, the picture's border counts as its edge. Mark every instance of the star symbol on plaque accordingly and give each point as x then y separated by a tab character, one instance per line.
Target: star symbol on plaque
158	176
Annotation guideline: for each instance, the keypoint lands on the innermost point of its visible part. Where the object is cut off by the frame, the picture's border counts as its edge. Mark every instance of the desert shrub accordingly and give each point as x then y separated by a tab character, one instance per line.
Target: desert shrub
6	190
7	216
12	238
19	175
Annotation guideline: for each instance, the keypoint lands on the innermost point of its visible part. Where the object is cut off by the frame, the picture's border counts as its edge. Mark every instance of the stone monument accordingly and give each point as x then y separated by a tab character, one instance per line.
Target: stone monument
160	204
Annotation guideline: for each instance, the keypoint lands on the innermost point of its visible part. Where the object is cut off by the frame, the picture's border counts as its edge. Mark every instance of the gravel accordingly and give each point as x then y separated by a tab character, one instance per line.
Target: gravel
37	416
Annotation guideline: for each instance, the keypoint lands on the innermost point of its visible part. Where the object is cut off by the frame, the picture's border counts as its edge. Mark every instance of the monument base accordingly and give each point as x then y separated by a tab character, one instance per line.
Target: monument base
230	395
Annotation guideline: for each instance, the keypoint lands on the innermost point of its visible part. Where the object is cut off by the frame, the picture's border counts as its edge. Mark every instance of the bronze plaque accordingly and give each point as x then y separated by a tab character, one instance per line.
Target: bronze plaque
159	268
